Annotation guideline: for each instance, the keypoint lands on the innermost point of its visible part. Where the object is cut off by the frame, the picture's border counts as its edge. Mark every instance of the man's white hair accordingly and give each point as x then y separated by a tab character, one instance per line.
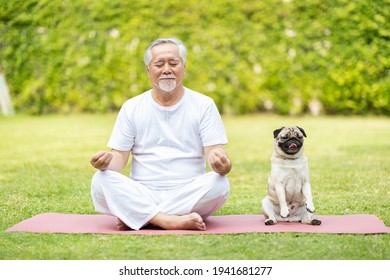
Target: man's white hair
178	43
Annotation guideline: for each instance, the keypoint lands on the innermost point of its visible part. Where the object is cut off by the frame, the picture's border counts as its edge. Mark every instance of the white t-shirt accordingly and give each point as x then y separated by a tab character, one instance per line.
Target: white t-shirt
167	142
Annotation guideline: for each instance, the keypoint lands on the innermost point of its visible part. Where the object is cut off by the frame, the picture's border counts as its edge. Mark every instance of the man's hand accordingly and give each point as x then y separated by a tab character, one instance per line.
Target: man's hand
219	161
114	160
101	160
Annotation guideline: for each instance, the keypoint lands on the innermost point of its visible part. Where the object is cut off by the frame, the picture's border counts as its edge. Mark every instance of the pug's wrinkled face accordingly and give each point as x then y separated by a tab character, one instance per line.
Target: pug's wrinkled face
289	139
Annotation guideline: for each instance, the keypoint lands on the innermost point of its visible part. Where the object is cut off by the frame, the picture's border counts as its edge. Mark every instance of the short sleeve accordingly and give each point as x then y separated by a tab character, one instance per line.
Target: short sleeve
122	135
212	131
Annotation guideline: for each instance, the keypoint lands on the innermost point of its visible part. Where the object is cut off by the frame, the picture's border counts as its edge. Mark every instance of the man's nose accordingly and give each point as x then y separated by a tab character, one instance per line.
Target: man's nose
167	68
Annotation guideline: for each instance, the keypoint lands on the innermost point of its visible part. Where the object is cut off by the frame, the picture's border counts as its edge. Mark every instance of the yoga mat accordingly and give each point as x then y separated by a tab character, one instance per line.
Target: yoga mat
104	224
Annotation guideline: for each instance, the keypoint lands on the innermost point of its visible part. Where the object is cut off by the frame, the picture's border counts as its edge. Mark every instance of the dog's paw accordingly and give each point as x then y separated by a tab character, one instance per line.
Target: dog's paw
315	222
310	208
284	213
269	222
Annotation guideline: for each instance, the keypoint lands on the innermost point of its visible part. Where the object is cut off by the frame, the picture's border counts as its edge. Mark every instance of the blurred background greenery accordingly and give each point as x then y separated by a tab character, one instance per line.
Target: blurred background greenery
281	56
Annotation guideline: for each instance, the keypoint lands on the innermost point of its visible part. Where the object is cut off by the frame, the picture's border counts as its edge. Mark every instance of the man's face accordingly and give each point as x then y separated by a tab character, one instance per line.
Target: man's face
166	70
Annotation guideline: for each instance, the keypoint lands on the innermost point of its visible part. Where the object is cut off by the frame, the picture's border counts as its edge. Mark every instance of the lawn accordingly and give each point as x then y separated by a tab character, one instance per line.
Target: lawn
45	168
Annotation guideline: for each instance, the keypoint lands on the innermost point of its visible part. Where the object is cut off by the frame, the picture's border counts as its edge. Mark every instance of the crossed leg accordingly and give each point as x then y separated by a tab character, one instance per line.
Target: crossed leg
117	195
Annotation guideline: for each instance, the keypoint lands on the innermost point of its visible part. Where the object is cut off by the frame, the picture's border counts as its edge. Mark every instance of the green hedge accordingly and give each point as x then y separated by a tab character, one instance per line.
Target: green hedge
288	56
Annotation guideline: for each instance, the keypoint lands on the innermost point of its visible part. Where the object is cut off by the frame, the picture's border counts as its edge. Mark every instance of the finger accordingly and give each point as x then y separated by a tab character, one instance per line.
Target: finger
223	159
97	156
220	159
106	156
214	160
221	154
101	159
105	159
215	166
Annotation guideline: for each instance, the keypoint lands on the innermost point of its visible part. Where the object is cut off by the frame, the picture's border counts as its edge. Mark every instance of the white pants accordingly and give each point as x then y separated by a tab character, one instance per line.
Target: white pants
135	204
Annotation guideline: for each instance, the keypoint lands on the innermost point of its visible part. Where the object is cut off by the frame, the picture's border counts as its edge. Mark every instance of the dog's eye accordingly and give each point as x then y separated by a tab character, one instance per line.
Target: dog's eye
284	137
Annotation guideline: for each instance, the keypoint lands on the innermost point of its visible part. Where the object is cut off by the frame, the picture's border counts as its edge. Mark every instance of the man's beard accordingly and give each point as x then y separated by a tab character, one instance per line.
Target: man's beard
167	83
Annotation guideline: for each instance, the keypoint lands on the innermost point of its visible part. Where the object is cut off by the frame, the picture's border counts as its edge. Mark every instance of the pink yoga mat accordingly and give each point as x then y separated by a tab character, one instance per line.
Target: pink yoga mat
103	224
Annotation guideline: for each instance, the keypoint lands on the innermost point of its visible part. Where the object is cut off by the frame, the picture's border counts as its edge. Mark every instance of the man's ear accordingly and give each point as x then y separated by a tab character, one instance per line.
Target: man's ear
147	70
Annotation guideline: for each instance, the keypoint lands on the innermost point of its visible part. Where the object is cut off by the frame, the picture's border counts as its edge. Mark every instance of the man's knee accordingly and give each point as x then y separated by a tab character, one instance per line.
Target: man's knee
217	192
219	185
98	178
96	184
101	179
106	176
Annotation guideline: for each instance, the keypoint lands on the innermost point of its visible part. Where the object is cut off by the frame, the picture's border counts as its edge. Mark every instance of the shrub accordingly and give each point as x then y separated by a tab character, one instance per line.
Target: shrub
250	56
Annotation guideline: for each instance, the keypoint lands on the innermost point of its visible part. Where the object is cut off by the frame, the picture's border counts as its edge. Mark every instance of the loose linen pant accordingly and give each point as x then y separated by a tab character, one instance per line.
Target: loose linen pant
135	204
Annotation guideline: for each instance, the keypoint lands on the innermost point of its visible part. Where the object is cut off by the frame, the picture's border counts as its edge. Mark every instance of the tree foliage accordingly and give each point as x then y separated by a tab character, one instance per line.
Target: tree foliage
288	57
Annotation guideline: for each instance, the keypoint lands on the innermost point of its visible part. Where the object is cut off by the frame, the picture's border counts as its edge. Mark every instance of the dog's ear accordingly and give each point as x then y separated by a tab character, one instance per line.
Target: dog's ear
302	130
277	131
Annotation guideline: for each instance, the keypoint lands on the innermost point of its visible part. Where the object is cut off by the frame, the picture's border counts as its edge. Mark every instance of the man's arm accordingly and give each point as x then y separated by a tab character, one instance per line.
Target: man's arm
218	159
114	160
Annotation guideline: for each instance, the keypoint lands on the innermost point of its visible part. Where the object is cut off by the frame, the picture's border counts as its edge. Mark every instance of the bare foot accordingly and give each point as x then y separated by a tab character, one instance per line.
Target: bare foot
121	225
190	221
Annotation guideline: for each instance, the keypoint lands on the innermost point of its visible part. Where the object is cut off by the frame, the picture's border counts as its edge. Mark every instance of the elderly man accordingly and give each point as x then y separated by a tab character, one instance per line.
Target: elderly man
170	132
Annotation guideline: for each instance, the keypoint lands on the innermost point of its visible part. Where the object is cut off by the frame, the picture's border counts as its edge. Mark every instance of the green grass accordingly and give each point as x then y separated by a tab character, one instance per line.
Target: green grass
45	168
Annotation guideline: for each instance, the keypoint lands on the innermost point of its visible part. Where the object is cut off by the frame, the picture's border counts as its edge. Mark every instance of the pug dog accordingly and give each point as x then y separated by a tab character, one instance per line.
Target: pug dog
289	192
